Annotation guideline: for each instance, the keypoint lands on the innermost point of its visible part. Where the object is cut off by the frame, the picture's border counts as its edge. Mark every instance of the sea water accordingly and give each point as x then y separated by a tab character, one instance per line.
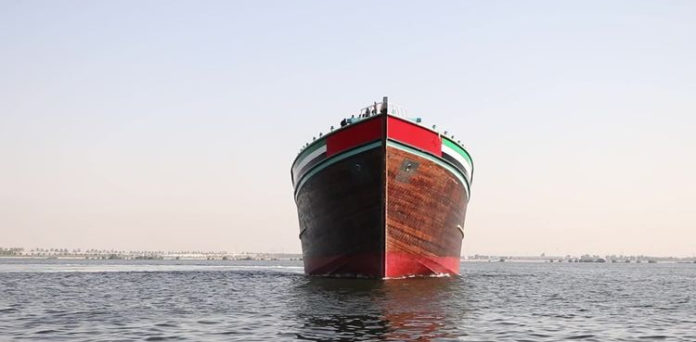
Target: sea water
66	300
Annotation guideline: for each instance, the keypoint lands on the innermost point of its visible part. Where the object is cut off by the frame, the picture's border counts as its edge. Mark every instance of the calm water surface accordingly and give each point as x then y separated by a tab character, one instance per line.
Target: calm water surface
270	301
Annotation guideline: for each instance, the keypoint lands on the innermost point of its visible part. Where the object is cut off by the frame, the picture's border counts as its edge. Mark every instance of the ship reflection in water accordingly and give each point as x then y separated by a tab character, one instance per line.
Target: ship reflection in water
355	309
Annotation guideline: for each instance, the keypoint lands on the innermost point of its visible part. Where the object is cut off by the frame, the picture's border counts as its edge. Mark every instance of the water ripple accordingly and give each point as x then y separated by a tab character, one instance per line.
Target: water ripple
256	301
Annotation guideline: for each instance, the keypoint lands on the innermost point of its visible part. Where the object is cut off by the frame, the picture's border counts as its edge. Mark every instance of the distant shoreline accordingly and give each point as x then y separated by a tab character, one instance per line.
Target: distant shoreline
154	257
112	254
298	257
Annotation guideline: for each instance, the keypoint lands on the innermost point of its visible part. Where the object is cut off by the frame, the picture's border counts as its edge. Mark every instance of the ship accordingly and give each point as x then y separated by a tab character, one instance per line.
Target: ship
382	196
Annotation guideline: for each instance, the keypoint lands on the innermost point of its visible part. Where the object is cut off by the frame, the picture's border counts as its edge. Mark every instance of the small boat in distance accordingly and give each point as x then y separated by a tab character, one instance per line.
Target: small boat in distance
382	196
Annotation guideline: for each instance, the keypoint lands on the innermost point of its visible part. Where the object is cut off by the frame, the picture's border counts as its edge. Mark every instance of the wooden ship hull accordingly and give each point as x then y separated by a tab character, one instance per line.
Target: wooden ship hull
382	197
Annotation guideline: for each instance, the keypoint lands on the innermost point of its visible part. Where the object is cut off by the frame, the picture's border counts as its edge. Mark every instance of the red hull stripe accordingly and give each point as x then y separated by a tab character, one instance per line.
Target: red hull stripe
404	265
398	265
357	134
414	135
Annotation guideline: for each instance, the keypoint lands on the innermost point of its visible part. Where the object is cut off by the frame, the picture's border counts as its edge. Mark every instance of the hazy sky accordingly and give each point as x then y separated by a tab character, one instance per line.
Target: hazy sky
172	124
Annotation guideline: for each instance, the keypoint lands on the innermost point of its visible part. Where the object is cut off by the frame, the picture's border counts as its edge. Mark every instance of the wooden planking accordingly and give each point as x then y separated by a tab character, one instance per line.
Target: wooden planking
425	203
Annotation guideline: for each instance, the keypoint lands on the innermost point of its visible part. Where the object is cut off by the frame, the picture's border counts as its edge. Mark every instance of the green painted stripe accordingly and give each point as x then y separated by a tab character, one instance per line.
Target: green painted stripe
458	149
335	159
311	148
437	160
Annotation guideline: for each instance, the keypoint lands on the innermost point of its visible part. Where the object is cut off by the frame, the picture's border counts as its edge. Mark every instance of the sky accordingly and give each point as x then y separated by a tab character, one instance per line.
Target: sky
171	125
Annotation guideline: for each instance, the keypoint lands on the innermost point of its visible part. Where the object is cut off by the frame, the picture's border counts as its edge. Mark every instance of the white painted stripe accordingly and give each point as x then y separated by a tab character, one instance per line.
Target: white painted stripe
308	159
458	157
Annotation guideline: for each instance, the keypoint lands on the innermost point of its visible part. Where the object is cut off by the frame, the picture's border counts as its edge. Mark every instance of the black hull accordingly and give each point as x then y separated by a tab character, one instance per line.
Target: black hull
342	217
